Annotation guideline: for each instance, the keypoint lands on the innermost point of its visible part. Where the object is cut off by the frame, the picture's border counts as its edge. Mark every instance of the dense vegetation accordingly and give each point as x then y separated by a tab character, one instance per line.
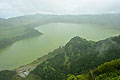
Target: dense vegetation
106	71
80	56
7	75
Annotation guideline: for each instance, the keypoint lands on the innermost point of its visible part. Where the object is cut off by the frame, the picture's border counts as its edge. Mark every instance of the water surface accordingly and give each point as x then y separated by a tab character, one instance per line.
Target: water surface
54	35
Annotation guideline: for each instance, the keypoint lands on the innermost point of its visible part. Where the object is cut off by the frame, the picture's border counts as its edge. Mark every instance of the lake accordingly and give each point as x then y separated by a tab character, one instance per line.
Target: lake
54	35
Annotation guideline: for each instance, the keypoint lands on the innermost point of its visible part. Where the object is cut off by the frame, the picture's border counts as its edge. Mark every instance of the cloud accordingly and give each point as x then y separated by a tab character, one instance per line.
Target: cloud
24	7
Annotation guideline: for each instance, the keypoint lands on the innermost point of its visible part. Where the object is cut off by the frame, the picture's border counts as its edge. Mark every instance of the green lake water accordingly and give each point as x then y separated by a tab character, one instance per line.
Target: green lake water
54	35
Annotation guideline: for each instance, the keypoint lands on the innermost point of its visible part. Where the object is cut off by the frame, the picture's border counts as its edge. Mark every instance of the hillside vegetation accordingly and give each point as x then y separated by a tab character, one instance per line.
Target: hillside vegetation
106	71
9	35
79	59
80	56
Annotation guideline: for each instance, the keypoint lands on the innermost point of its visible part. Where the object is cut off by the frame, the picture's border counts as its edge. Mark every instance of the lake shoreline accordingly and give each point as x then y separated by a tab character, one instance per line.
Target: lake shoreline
18	38
57	30
23	71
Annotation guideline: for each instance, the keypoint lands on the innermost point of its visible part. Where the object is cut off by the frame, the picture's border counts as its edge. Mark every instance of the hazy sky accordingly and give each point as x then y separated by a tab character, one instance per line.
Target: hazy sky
10	8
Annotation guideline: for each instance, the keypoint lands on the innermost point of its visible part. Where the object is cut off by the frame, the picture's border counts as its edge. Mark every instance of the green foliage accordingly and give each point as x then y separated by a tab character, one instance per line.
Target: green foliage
33	77
109	76
17	77
78	77
78	56
108	71
108	67
7	75
71	77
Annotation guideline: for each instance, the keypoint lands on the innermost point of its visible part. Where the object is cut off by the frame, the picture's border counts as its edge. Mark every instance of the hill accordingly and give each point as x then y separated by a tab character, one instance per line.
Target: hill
18	27
111	20
78	56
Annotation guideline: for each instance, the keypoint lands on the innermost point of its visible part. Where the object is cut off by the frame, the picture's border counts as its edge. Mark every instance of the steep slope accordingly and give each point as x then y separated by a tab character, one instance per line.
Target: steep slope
79	56
106	71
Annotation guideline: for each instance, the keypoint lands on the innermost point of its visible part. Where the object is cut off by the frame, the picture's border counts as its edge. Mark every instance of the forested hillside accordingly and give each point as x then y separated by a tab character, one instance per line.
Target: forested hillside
79	56
106	71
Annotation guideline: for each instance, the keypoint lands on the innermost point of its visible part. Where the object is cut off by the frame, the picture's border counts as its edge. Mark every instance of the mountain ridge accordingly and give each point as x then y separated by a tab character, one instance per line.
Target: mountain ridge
38	19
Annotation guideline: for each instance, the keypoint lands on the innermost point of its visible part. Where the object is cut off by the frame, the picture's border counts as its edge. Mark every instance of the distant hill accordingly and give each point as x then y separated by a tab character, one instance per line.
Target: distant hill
2	19
111	20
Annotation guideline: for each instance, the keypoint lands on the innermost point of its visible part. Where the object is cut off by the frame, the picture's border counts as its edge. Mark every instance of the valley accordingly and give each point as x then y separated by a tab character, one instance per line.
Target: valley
59	40
33	43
